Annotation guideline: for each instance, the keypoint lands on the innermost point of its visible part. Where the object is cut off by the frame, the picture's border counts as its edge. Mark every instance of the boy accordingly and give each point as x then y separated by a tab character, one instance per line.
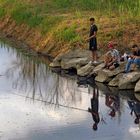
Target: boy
115	57
93	40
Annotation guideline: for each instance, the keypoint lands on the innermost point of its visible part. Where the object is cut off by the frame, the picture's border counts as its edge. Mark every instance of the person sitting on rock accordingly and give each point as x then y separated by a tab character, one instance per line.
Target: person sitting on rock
107	59
112	58
133	59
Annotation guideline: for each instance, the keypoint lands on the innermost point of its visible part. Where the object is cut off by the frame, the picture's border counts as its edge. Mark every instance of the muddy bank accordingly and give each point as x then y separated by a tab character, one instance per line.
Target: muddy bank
23	34
41	43
20	32
22	37
54	45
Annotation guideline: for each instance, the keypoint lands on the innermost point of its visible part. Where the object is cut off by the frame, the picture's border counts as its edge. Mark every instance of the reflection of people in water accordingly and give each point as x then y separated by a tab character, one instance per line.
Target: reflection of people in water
113	102
135	107
94	108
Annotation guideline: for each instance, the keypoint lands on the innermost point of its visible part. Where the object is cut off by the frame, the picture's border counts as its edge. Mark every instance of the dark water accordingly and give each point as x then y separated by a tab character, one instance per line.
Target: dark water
36	104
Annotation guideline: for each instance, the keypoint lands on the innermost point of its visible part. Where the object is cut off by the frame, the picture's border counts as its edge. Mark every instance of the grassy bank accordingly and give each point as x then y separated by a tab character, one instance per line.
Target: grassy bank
63	24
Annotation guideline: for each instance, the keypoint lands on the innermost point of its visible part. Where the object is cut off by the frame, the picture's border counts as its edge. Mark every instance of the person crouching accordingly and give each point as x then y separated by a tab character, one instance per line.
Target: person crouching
112	58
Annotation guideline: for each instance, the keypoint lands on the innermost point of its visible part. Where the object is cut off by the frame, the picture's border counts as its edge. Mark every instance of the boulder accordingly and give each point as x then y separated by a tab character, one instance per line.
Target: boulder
106	75
73	63
86	70
75	53
72	59
115	81
98	68
128	81
118	70
103	76
137	87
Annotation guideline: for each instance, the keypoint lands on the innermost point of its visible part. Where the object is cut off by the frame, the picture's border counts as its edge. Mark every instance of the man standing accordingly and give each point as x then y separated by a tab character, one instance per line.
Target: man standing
93	40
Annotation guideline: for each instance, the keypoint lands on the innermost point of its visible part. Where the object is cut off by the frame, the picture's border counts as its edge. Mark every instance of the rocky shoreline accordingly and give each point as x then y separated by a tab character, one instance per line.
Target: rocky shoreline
78	60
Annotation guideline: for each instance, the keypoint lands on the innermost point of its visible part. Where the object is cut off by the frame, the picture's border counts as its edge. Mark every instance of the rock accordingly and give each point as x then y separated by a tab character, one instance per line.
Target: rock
86	70
103	77
115	81
118	70
55	64
106	75
98	68
72	59
137	96
76	53
73	63
113	90
103	87
128	81
137	87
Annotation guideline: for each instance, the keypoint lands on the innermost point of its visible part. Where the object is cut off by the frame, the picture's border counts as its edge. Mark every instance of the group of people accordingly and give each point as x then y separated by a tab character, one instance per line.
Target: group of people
112	57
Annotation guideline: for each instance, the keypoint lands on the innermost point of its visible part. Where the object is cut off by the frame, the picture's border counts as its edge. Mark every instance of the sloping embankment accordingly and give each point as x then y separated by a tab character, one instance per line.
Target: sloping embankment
23	33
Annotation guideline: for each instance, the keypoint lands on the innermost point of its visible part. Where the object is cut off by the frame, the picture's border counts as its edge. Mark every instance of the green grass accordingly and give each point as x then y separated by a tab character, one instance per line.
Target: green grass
2	12
130	7
2	9
23	14
44	15
48	15
66	34
48	23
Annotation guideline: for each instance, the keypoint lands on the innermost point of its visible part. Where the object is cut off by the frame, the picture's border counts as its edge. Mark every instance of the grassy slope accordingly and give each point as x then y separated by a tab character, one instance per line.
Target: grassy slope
63	24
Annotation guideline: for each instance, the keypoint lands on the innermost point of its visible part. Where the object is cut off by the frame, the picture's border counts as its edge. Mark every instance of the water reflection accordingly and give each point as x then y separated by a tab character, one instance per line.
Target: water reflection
32	77
114	100
35	81
94	110
62	105
135	109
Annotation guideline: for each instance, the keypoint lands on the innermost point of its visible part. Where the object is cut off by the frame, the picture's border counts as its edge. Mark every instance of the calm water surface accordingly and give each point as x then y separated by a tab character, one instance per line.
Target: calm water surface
36	104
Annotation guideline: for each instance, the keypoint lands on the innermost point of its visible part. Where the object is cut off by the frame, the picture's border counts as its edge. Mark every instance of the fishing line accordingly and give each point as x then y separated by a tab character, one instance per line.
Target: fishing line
74	108
70	107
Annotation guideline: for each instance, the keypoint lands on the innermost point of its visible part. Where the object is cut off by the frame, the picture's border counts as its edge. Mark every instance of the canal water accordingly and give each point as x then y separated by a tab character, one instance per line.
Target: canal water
36	104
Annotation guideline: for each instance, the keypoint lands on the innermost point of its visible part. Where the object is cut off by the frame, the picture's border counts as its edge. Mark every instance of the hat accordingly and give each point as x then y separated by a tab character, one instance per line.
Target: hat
110	45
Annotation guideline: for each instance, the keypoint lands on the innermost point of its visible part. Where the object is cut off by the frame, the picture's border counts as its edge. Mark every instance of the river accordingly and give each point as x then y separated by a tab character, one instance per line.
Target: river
36	104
